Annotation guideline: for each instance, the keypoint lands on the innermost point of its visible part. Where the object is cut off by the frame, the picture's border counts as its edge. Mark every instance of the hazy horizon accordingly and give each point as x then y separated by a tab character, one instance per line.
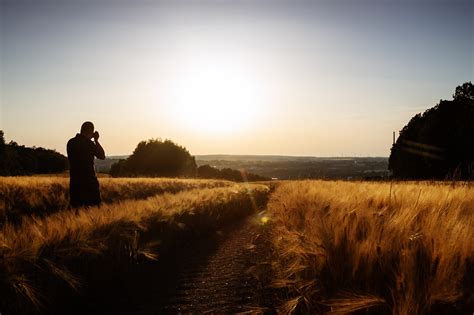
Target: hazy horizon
293	78
265	155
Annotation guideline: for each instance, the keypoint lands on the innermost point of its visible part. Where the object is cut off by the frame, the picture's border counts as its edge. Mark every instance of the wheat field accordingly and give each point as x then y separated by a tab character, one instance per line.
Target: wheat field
43	196
338	247
43	256
386	248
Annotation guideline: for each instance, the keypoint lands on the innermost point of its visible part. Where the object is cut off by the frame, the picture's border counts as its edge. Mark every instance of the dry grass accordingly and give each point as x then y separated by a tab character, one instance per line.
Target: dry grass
46	195
126	232
401	248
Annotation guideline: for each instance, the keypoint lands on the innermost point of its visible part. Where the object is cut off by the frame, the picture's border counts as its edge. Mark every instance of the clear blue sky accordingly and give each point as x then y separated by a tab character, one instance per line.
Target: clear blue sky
322	78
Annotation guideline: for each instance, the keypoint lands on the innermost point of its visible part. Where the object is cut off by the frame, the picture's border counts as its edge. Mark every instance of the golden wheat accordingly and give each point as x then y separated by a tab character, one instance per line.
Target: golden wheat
45	195
396	248
42	249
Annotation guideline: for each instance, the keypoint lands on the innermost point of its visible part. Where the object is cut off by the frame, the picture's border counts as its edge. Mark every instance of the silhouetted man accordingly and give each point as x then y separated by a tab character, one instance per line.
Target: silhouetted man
83	183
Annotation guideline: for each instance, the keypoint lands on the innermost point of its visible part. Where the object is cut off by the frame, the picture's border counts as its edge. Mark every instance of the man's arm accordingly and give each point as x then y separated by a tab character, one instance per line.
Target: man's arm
99	151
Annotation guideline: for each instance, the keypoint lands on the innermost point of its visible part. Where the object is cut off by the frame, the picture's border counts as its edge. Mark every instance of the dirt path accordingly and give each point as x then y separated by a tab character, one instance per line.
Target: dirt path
218	278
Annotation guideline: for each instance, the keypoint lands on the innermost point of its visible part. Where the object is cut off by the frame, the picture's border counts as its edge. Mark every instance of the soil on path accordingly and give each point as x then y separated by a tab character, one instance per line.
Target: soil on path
224	274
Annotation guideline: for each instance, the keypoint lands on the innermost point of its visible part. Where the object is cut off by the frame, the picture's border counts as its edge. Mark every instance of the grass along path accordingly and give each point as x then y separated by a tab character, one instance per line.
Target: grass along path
216	276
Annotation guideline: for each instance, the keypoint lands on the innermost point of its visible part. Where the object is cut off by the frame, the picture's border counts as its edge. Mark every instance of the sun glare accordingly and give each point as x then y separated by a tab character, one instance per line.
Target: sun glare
215	96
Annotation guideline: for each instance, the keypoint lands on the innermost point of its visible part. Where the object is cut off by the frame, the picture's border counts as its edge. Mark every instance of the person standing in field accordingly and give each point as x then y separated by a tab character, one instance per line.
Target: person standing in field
83	183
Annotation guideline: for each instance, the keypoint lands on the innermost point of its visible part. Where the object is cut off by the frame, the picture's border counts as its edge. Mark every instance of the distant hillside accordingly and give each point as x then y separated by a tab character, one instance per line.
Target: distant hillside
288	167
270	158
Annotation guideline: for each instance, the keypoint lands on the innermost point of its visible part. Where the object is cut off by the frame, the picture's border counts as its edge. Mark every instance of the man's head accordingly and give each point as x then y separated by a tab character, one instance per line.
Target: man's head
87	129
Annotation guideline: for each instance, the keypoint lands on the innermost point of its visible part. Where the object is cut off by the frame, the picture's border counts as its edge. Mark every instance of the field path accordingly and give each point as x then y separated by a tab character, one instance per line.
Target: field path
218	277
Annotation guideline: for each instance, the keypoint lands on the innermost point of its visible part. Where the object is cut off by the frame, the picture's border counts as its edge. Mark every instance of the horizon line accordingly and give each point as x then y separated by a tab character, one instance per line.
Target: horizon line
274	155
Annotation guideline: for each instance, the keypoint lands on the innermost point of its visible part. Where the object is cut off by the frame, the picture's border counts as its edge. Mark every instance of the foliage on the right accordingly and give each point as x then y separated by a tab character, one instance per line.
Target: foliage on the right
438	144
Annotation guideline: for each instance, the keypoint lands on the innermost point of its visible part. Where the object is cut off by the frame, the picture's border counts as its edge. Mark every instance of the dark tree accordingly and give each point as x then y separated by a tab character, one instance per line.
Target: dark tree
438	144
157	158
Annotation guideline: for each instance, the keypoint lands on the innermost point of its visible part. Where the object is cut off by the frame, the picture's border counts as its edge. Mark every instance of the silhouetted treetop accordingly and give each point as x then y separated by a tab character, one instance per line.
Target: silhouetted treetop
155	157
439	143
464	91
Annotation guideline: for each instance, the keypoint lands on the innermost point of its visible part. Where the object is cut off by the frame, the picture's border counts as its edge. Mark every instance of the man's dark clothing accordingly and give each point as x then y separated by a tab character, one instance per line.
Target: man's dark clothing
83	183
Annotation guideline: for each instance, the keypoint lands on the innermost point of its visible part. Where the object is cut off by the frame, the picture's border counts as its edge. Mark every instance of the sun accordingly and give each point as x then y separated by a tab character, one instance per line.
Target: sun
215	96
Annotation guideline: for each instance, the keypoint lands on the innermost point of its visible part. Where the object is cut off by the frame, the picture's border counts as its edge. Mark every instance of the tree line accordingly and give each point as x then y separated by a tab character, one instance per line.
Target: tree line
17	159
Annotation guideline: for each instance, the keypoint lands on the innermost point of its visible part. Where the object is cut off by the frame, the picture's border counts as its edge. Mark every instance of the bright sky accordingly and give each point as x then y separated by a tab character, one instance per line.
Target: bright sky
321	78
